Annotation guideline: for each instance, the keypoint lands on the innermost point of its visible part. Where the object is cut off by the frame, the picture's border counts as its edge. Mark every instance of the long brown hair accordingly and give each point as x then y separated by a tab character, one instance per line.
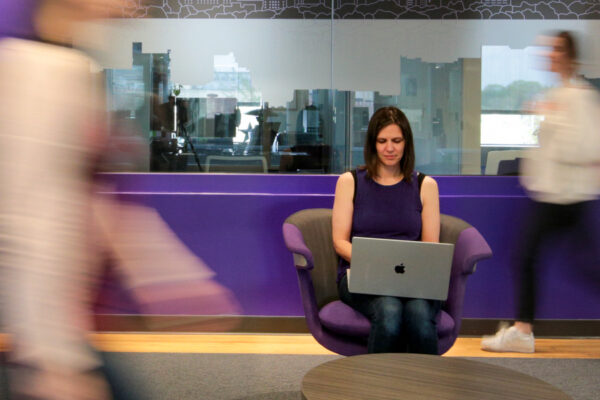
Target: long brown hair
570	45
381	118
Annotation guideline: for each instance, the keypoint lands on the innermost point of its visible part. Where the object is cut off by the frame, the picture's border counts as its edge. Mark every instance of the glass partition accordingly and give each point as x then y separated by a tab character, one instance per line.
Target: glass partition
289	86
226	95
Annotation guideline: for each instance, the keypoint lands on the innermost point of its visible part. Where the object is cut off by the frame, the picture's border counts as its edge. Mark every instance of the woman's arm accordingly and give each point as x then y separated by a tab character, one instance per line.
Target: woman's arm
430	215
343	207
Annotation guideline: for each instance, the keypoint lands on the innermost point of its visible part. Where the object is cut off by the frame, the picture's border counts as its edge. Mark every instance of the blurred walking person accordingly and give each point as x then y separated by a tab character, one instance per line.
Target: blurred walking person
562	177
54	227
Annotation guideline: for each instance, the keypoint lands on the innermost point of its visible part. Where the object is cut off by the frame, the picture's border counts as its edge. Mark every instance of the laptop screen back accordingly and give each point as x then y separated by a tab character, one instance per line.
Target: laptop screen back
400	268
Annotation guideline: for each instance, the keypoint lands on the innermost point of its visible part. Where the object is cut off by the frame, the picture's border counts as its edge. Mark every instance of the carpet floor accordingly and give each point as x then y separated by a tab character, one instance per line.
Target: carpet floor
166	376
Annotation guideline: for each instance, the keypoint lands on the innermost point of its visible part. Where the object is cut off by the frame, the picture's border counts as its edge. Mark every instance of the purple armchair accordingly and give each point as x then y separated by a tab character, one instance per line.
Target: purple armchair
340	328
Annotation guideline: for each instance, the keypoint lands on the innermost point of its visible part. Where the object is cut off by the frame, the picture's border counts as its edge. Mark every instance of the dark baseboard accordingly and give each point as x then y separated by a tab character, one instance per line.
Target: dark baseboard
542	327
199	324
256	324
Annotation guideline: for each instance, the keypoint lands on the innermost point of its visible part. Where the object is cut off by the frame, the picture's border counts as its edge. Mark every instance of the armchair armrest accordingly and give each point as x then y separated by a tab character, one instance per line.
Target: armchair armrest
470	248
303	260
294	241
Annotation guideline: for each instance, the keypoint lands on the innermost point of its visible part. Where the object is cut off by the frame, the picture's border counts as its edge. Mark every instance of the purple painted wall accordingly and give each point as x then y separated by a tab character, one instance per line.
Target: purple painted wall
234	223
15	17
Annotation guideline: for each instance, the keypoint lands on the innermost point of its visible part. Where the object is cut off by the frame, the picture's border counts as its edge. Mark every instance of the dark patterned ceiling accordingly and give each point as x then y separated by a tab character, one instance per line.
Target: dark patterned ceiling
363	9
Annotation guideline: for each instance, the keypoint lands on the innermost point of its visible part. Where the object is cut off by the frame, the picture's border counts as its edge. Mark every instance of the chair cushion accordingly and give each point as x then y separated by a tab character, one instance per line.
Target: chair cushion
341	318
445	324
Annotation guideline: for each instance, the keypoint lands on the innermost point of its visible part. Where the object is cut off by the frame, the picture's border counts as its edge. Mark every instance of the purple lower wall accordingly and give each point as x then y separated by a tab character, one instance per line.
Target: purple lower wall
16	17
234	223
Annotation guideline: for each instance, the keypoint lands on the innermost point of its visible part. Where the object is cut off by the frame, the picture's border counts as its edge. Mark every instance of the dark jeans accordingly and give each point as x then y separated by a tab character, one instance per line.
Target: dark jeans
543	221
398	324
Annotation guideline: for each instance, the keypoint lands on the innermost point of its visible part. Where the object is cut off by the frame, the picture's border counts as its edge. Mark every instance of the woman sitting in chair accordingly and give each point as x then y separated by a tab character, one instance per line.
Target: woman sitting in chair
386	198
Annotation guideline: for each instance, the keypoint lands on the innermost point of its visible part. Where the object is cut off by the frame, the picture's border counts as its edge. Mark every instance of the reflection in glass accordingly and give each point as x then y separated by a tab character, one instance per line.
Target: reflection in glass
228	117
511	81
460	111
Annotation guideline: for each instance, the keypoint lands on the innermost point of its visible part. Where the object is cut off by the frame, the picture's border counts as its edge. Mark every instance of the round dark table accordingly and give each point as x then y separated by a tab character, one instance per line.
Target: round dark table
421	377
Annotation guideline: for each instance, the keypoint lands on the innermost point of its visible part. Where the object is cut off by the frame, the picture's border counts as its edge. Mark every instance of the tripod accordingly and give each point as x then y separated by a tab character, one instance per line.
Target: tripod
185	135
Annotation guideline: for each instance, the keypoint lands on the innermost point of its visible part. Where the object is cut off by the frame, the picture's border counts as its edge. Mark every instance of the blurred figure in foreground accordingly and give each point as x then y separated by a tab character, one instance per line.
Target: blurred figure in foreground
54	228
562	177
47	115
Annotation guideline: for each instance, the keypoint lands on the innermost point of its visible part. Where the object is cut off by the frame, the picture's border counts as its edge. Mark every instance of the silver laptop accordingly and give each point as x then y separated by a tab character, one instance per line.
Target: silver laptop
402	268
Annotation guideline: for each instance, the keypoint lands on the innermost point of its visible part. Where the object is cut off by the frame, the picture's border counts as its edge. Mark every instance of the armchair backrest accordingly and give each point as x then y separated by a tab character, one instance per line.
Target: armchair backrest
451	228
315	226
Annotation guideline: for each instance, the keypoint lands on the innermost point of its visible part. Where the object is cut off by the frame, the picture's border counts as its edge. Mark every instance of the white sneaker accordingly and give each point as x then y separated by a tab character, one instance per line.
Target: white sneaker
509	340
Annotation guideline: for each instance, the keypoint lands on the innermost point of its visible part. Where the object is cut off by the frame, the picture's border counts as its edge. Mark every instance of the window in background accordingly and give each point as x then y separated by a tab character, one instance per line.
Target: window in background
134	98
511	81
431	98
228	117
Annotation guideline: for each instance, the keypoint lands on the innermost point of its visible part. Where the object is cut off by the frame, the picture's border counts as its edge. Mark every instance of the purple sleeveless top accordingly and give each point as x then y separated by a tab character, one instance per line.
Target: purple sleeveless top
386	212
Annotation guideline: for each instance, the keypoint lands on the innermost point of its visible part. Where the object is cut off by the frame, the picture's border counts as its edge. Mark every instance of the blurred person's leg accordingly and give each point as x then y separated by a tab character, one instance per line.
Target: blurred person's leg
538	224
27	383
143	248
4	393
585	245
543	221
531	234
125	383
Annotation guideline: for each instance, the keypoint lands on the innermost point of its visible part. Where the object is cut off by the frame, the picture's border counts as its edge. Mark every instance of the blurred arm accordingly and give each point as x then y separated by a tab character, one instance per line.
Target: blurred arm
575	138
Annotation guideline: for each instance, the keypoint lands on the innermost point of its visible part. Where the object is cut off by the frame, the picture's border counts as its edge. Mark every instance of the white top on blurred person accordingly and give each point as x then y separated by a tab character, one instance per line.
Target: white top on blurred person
47	264
563	170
